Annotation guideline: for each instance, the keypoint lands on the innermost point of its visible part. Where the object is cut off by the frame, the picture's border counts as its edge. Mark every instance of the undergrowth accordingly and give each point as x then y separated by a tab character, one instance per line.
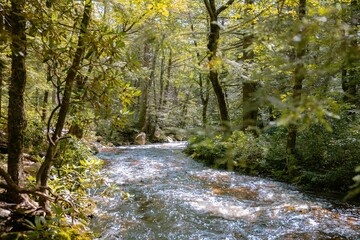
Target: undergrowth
326	159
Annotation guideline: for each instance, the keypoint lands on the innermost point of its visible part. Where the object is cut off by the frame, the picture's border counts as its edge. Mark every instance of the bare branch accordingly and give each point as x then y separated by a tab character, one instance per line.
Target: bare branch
225	6
209	9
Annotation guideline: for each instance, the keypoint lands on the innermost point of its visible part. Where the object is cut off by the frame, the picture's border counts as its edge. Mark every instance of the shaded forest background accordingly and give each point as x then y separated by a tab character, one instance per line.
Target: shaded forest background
260	87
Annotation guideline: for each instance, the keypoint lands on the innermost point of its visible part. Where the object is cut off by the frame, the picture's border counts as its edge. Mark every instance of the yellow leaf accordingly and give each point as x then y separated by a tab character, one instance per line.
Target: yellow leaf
164	12
149	6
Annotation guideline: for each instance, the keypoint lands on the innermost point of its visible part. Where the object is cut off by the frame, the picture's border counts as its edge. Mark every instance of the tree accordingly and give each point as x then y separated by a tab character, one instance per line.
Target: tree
2	48
350	73
250	105
299	76
203	83
16	111
44	171
213	41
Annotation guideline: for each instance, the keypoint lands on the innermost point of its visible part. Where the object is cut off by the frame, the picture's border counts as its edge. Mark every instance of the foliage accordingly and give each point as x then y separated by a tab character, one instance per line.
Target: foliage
355	189
35	139
327	159
241	151
74	175
55	228
160	48
206	149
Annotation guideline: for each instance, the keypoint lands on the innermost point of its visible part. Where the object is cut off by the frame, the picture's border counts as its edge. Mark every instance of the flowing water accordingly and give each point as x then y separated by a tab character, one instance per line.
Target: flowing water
178	198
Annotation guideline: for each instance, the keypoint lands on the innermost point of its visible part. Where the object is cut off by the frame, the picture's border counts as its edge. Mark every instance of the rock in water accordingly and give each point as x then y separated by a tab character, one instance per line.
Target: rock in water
140	139
4	213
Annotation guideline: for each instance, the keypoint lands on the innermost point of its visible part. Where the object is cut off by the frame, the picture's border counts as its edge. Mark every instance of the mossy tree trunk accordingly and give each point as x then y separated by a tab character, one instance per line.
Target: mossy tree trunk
16	111
299	76
2	61
213	41
350	73
250	103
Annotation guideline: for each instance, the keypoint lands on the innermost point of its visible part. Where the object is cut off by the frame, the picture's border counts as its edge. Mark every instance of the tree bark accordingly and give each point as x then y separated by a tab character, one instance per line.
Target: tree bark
250	106
213	40
44	171
167	80
204	90
44	106
144	86
2	62
250	103
299	76
161	82
16	111
350	81
152	120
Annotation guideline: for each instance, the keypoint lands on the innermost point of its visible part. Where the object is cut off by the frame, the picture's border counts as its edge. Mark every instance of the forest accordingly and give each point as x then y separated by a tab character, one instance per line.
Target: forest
265	88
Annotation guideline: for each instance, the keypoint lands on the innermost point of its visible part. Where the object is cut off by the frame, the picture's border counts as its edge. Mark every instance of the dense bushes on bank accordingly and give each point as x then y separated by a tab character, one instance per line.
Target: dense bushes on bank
326	159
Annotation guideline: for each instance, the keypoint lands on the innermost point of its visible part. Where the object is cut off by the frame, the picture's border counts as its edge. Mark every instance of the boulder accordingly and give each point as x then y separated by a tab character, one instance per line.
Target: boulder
4	213
157	133
169	139
140	139
179	137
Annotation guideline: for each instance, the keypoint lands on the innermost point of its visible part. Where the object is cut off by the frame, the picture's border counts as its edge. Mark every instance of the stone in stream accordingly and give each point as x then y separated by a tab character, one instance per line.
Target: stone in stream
4	213
140	139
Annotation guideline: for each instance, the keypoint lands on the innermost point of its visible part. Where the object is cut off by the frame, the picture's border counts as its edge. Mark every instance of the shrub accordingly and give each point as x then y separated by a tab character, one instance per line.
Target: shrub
75	174
328	159
241	151
206	149
245	152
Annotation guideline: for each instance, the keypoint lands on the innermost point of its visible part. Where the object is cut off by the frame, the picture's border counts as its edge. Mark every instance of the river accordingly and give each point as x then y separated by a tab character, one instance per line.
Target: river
175	197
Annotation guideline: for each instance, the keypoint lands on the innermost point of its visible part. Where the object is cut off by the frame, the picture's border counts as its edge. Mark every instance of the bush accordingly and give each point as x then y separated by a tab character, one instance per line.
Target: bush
76	172
117	135
355	189
241	151
35	140
328	159
206	149
246	152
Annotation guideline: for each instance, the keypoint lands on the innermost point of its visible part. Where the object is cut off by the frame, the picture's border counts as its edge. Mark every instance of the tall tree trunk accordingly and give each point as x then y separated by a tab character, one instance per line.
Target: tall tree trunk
44	106
250	103
213	73
213	40
299	76
204	96
350	73
250	106
151	122
167	82
204	90
144	86
16	111
44	171
2	62
161	82
1	87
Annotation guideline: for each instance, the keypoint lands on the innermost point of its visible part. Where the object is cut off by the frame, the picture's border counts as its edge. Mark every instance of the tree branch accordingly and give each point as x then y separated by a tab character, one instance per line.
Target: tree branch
12	186
209	9
223	7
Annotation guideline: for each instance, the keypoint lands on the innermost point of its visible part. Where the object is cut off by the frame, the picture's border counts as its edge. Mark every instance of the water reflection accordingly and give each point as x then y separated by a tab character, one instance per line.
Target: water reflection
177	198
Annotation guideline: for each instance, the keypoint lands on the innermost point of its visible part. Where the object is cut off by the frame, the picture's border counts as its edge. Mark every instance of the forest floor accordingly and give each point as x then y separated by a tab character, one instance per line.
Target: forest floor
10	212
